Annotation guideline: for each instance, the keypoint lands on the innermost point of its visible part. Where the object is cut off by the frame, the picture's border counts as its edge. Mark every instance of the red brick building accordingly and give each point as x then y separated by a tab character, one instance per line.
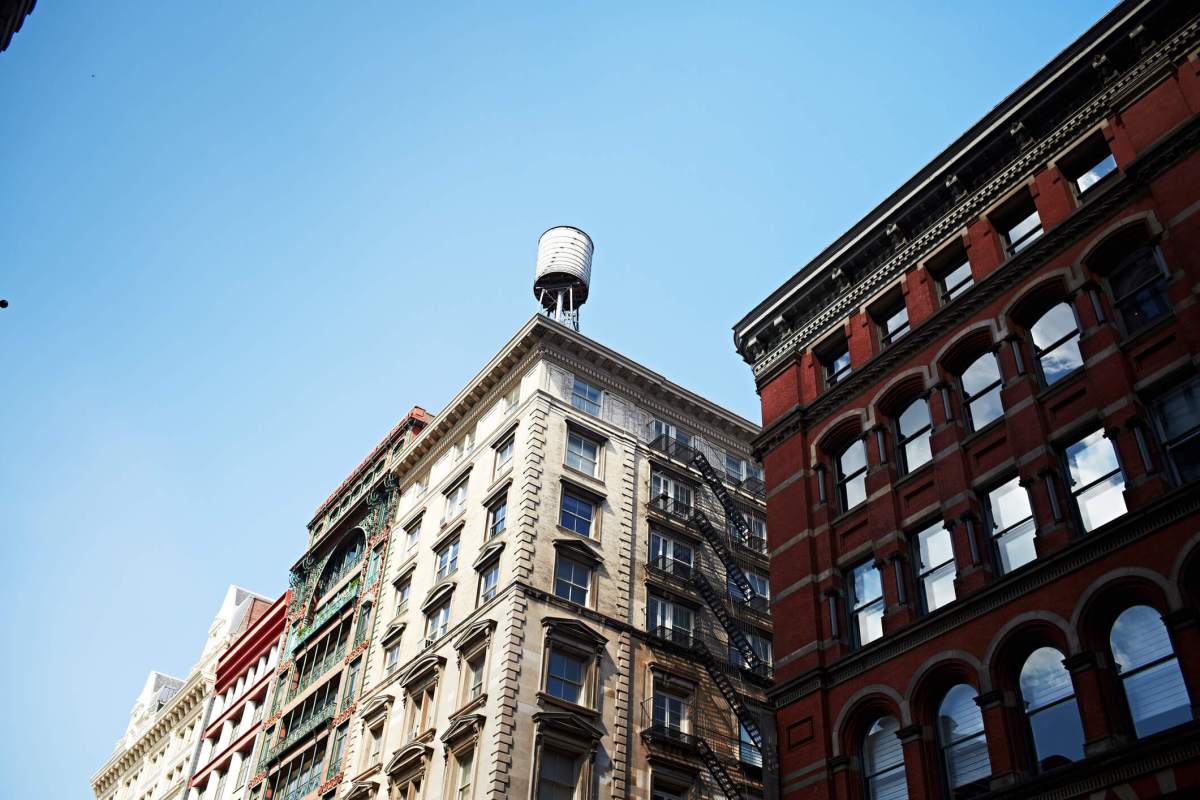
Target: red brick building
981	415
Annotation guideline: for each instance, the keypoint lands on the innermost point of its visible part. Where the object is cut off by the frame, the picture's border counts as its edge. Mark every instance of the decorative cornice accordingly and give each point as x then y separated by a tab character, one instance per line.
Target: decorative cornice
1082	221
1149	69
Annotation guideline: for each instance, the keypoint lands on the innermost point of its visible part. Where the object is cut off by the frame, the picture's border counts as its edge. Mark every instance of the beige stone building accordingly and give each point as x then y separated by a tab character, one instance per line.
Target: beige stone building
555	588
156	756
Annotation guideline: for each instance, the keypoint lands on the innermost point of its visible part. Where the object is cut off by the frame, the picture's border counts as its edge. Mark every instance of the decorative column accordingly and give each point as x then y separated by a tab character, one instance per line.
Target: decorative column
1096	695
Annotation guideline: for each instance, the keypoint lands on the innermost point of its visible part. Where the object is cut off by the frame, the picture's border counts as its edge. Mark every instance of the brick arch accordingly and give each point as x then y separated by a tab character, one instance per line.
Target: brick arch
1019	637
1147	220
936	675
901	389
1113	592
958	353
1034	299
861	708
840	430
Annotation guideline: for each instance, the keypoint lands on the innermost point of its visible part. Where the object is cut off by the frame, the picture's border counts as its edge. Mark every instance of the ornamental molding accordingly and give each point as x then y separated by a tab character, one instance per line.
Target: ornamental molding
947	319
1152	67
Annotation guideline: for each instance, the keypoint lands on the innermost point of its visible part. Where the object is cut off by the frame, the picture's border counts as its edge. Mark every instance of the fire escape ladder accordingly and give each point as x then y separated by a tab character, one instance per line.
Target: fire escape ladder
701	462
714	539
731	694
728	785
734	631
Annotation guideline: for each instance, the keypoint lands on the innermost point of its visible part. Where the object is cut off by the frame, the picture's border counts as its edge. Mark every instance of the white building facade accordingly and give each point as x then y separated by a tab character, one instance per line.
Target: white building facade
157	755
556	590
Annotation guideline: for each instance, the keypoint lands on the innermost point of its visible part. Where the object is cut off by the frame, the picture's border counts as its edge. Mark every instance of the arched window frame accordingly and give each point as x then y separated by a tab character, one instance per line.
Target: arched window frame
1159	662
872	772
1062	704
945	746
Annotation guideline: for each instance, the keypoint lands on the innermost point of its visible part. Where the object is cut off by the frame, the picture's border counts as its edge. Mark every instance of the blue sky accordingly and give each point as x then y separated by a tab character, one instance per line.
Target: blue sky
240	240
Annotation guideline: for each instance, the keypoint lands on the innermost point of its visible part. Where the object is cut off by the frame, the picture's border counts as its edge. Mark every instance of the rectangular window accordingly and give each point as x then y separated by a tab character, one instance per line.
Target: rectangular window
1089	164
565	677
558	776
489	581
497	515
891	316
1097	482
447	559
456	500
412	535
670	494
474	687
585	397
1010	518
667	431
835	359
1020	224
422	709
576	514
351	680
582	453
402	596
1177	414
935	566
466	767
759	644
376	737
572	580
504	455
670	712
437	622
952	271
866	603
671	554
669	620
392	659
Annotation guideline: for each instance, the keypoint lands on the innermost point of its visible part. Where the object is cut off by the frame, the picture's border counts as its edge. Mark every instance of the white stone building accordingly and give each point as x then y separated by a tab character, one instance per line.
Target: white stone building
156	756
556	590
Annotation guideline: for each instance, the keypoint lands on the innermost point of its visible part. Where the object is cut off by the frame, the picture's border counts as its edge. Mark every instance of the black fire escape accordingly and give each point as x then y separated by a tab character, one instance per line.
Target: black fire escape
736	548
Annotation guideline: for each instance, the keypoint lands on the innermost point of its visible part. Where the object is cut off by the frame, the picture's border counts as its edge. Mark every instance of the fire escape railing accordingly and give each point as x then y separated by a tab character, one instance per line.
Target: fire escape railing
689	732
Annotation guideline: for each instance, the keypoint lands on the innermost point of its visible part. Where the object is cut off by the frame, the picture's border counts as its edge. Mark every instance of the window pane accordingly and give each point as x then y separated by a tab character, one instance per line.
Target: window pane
1016	546
915	418
960	730
1057	360
869	622
1057	735
1139	637
1044	679
867	584
1158	698
853	458
1179	410
1091	459
1025	232
958	280
939	587
882	749
1090	178
934	546
982	373
1009	504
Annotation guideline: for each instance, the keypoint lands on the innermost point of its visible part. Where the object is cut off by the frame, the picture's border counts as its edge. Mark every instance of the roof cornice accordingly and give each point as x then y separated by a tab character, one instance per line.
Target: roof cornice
774	329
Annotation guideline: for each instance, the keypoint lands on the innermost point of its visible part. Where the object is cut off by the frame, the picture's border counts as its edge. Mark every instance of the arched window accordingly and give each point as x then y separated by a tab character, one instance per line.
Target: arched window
344	559
1150	674
852	474
1056	343
912	435
964	747
981	391
883	761
1050	707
